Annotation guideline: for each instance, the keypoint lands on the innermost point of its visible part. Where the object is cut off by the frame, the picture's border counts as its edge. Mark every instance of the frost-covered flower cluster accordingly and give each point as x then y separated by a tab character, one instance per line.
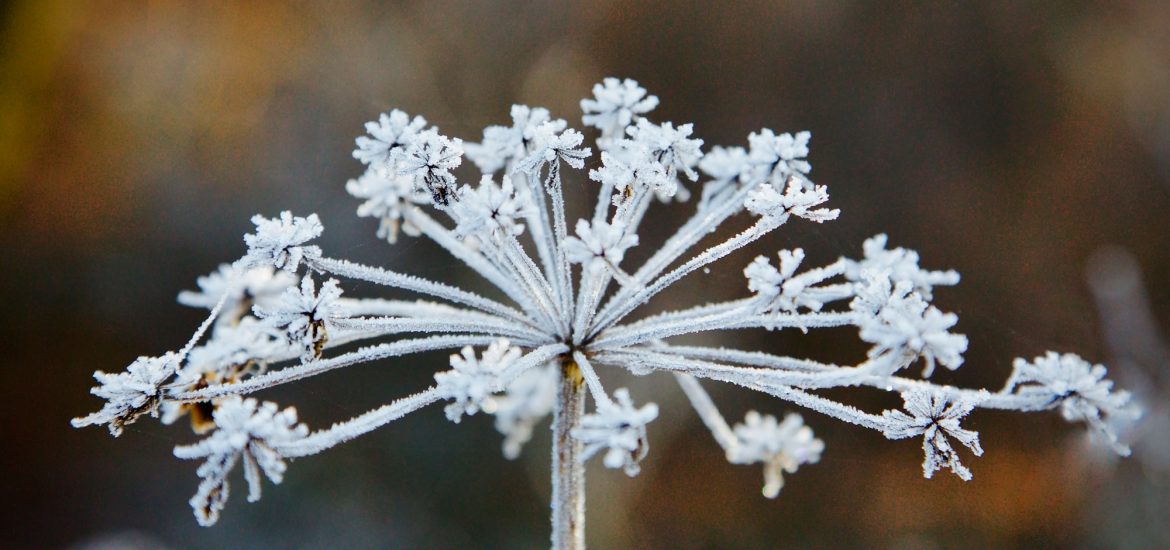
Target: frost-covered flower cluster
564	312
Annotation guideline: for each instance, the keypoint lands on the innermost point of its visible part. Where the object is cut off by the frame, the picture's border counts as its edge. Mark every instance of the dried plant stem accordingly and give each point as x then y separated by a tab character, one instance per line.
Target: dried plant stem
568	470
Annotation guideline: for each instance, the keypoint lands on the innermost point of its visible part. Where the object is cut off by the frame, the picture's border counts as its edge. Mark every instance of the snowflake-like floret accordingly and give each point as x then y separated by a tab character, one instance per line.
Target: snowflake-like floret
629	167
388	138
935	417
615	105
491	209
524	403
780	446
599	244
429	159
388	196
549	145
782	290
727	166
279	242
245	430
130	394
304	316
779	157
1080	390
798	199
901	263
256	285
669	145
620	429
471	381
898	322
503	144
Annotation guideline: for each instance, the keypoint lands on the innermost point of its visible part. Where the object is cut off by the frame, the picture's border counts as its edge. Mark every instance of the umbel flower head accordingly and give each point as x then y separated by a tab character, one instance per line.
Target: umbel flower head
565	314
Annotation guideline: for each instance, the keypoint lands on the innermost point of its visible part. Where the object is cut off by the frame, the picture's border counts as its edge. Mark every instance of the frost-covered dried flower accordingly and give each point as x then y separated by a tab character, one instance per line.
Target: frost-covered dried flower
388	198
551	321
279	242
619	429
387	140
429	159
471	381
779	157
615	105
934	417
245	431
780	446
130	394
304	316
1079	389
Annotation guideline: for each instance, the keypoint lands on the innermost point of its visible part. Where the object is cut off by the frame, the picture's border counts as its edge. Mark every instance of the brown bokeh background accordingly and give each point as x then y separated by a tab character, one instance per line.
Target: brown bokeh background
136	139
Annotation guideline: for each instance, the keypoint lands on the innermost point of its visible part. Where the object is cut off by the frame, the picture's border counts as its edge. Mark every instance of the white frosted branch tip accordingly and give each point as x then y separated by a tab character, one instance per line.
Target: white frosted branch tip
245	430
619	428
472	381
280	242
935	417
780	446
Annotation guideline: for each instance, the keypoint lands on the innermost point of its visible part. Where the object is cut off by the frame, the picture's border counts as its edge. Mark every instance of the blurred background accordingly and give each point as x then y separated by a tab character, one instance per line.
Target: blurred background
1010	142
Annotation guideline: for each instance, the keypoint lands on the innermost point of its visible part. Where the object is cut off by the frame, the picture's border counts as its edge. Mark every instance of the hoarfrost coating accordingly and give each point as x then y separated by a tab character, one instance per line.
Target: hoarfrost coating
564	312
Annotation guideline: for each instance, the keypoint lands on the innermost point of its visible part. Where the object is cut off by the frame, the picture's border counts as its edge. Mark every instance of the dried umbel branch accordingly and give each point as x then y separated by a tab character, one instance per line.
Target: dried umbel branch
564	308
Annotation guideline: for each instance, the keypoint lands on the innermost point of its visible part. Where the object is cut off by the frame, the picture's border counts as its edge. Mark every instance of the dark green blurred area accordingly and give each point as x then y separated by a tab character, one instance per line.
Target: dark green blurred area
1004	140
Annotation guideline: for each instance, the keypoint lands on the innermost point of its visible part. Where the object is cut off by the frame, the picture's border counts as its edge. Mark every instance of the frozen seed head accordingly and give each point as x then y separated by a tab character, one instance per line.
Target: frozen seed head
615	105
560	293
902	325
618	428
304	317
387	139
780	446
779	157
245	431
471	381
280	242
1080	390
130	394
935	417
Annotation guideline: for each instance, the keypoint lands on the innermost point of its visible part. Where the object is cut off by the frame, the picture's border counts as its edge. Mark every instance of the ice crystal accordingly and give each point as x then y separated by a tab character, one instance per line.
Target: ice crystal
564	309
